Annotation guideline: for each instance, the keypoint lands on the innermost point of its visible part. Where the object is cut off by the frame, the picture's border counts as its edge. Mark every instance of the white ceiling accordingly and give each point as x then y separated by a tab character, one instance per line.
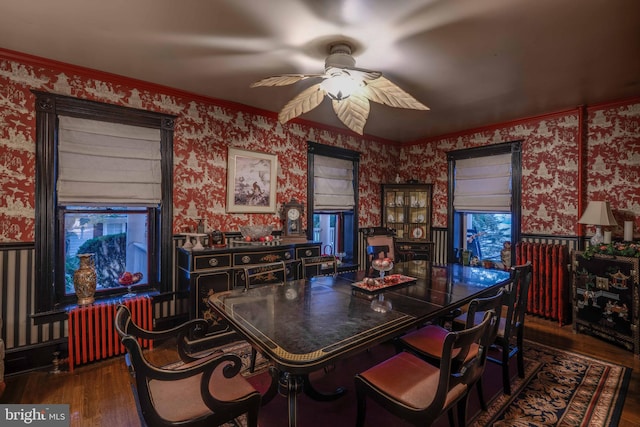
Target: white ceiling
473	62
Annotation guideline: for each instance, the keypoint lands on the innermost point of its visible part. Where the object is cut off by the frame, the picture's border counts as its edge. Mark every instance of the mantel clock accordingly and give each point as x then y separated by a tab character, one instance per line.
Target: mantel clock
292	214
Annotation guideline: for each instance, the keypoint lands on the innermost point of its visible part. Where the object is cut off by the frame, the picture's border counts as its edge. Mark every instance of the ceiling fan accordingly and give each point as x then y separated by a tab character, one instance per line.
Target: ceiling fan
349	88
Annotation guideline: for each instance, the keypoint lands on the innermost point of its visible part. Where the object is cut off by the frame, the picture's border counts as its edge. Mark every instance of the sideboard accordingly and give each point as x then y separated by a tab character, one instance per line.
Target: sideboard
204	272
606	298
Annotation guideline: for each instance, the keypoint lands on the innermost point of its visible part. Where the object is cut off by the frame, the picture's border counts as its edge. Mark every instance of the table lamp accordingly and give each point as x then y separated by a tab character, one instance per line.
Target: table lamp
598	213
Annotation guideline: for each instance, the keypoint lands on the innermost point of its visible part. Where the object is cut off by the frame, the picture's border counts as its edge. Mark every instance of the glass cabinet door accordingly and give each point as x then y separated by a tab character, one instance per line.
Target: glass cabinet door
407	209
418	213
394	210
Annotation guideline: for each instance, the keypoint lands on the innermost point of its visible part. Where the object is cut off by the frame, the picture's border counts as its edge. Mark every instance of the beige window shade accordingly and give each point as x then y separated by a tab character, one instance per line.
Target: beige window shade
333	184
483	184
107	163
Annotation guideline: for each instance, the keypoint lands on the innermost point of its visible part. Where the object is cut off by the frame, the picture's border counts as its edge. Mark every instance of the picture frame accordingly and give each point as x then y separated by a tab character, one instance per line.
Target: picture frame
251	181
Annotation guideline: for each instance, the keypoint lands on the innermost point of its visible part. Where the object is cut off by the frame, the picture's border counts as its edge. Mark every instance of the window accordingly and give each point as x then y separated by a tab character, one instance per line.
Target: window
332	199
119	238
484	201
127	223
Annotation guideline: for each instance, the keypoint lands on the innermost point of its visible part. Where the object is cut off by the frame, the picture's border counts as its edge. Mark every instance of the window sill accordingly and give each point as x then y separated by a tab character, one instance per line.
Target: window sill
60	312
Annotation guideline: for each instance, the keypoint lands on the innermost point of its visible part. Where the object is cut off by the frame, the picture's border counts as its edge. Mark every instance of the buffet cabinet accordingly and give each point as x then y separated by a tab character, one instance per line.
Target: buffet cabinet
205	272
605	298
406	208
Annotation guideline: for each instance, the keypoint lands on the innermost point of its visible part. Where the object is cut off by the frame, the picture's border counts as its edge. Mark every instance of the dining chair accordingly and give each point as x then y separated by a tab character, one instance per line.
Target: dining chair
419	392
322	265
381	237
187	335
263	274
428	341
208	391
510	337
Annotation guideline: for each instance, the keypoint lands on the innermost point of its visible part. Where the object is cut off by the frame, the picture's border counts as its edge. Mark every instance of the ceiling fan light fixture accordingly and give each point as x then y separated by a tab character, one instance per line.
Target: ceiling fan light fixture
339	86
349	88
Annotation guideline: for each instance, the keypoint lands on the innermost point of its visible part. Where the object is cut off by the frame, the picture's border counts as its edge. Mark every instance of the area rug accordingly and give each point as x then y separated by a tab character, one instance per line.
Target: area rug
560	388
568	389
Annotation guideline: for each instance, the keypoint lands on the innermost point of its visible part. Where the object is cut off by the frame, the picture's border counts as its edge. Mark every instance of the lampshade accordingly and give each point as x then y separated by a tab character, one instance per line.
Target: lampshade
598	213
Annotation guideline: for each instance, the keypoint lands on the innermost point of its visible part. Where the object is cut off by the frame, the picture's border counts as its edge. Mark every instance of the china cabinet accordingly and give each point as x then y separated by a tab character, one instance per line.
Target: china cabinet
605	298
406	208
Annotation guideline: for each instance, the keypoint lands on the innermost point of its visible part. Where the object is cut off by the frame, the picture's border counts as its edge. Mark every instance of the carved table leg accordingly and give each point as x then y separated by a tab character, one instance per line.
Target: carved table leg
290	385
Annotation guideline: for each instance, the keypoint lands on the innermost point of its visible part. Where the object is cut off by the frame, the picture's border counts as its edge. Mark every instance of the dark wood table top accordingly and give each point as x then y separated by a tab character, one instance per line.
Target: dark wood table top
304	325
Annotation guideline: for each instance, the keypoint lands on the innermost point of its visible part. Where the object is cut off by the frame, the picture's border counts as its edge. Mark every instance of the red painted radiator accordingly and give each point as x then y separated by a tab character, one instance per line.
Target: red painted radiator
92	335
549	291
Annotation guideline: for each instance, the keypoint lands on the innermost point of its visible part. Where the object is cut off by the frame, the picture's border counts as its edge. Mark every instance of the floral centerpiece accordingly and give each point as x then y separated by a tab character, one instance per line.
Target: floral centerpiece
627	249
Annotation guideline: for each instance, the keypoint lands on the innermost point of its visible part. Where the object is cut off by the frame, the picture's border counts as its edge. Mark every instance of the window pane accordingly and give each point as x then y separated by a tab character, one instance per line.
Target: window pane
117	236
326	230
487	233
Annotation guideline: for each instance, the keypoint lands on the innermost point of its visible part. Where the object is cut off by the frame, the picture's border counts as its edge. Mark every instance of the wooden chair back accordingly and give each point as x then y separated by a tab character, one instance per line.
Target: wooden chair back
510	338
264	274
319	265
516	300
380	237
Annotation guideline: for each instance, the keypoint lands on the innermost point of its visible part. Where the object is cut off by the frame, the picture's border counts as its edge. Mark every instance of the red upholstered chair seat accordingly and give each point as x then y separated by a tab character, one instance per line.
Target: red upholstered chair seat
180	400
410	380
429	340
460	321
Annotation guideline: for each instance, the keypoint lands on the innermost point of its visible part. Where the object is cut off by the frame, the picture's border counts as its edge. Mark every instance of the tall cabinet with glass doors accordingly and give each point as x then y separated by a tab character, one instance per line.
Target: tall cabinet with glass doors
406	208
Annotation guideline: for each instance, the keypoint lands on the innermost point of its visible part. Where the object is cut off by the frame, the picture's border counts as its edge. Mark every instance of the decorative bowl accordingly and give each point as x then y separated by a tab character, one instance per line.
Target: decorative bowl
255	232
382	265
128	278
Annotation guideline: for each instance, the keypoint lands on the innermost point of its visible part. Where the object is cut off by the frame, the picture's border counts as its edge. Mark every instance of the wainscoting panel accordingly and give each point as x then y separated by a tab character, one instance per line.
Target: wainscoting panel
17	300
439	237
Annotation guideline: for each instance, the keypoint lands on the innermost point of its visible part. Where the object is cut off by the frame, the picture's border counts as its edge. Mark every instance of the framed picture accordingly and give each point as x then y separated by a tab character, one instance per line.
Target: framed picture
251	181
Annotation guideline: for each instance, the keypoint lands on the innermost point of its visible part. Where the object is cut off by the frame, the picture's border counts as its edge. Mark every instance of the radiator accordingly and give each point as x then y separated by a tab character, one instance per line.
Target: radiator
549	292
92	335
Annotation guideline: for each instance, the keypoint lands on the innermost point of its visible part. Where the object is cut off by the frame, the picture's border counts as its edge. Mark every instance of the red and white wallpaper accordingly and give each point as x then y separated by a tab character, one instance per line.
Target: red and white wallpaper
205	128
550	153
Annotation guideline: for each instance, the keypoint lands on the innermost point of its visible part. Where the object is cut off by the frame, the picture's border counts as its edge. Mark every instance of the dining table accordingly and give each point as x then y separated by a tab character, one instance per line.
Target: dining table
305	325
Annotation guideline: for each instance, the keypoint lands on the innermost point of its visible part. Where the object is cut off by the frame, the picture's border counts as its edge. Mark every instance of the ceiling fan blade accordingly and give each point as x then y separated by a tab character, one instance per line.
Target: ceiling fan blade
305	101
284	79
353	112
383	91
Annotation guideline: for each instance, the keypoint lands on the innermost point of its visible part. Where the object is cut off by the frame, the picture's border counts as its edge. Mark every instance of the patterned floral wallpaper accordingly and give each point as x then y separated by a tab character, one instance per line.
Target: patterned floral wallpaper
550	160
205	128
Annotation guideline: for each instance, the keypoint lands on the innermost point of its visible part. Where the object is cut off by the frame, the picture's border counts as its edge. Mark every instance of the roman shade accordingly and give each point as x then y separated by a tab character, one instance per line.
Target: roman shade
108	163
333	184
483	184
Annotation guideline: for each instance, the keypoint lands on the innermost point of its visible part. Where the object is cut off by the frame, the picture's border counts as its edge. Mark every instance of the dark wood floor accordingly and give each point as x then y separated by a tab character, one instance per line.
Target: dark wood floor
100	394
